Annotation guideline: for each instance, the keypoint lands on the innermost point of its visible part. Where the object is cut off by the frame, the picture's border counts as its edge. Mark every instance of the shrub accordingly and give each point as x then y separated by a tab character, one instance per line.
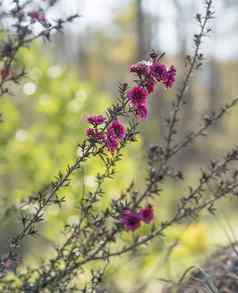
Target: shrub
90	244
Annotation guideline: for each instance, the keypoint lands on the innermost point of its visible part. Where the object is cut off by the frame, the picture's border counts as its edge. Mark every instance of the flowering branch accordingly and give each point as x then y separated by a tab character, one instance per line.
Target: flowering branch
20	34
94	236
106	134
100	238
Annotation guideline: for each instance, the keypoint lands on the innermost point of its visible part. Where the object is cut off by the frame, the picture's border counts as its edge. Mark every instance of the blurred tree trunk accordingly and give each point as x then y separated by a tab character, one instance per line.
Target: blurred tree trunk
141	30
215	89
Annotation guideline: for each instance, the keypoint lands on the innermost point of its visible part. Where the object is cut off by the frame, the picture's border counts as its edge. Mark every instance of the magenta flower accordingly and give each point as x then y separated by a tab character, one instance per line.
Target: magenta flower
150	85
115	132
142	111
140	68
116	129
90	132
96	120
170	77
111	142
95	134
37	16
158	71
137	95
130	220
146	214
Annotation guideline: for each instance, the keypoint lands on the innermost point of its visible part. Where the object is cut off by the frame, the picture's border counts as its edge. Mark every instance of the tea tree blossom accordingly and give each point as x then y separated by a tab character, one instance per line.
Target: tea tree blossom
147	214
111	143
150	85
117	129
170	76
137	95
149	73
142	111
115	133
130	220
140	68
96	120
95	134
158	71
37	16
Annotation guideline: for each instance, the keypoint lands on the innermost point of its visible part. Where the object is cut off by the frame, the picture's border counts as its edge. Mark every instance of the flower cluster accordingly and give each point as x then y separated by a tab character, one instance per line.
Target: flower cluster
149	73
96	120
132	220
37	16
18	31
115	133
109	135
90	239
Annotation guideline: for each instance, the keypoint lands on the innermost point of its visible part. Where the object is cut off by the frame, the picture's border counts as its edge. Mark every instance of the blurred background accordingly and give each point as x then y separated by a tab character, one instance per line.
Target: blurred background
77	74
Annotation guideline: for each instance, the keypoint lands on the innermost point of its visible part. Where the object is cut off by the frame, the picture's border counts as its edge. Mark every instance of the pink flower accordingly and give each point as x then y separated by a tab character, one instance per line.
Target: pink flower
130	220
147	214
37	16
111	142
95	134
142	111
137	95
150	85
117	129
115	132
96	120
170	77
90	132
158	71
140	68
